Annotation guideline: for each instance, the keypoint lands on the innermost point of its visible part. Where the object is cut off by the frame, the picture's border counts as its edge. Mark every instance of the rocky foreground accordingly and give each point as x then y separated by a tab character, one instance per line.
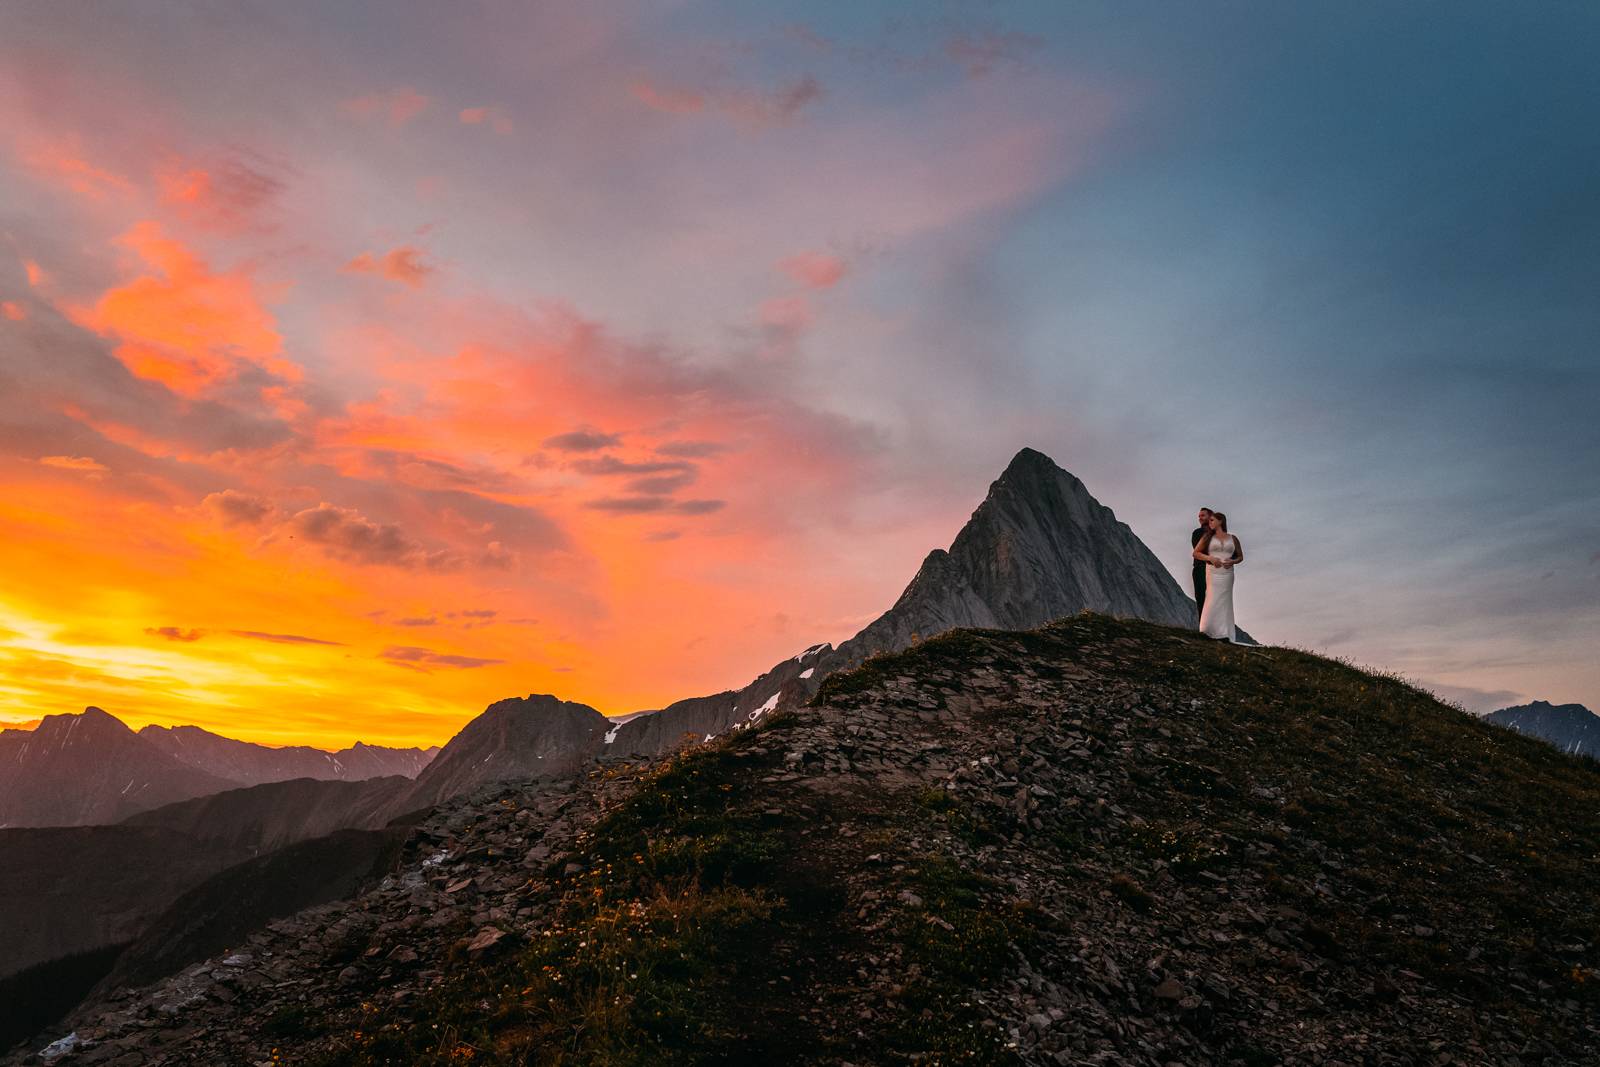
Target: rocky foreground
1101	842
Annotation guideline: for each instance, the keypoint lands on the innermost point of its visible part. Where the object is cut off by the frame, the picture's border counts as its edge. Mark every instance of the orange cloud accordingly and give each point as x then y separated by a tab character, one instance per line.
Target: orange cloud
818	270
74	463
183	325
403	264
396	106
13	310
36	274
494	118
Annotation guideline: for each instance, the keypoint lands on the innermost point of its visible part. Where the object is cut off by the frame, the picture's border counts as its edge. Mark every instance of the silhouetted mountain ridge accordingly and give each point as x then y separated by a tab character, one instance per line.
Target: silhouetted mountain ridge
252	764
89	769
1572	728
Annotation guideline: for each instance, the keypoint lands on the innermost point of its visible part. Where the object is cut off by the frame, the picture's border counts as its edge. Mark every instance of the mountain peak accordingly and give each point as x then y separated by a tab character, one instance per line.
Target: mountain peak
1029	459
1031	471
92	722
537	736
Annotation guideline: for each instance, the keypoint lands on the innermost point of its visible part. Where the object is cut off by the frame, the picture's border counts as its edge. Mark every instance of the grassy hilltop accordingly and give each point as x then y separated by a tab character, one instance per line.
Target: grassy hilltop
1100	841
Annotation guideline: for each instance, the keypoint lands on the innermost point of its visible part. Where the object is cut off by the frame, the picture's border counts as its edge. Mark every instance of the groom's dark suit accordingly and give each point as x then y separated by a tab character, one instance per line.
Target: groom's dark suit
1199	570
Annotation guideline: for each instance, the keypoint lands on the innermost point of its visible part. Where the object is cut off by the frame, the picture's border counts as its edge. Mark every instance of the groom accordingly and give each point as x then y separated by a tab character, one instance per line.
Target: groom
1199	568
1204	519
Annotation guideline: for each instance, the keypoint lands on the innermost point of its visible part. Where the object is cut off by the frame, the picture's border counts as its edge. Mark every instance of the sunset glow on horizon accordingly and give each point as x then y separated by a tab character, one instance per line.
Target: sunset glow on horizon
350	384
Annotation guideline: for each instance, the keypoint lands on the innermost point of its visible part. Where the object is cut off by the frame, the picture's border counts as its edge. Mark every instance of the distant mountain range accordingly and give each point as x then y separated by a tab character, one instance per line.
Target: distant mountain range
249	764
91	769
1572	728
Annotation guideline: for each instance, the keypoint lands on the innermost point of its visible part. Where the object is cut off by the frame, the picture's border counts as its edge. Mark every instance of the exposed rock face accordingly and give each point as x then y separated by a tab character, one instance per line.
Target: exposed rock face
538	736
250	764
1572	728
73	770
264	817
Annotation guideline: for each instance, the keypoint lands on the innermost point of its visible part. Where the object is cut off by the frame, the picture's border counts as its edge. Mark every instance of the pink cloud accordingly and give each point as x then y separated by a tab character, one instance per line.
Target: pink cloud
13	310
755	107
228	195
492	117
62	160
403	264
817	270
395	106
669	100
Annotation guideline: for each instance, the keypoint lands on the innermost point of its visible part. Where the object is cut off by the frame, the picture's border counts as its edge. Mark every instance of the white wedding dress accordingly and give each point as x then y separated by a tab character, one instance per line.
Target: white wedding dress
1216	618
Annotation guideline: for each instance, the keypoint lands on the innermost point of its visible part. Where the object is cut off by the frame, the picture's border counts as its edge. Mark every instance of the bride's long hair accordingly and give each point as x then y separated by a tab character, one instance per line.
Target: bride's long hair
1205	539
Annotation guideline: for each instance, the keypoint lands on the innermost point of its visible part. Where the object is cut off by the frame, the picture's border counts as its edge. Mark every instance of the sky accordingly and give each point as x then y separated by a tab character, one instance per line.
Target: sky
363	364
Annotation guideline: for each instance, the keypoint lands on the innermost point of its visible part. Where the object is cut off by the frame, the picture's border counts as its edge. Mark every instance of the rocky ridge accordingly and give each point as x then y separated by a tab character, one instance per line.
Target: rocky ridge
1100	842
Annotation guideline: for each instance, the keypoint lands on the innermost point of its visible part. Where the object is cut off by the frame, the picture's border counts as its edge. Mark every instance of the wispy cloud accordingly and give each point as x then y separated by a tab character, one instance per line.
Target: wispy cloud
74	463
284	639
582	441
492	117
426	659
234	508
816	270
403	265
640	505
396	107
175	633
349	535
751	107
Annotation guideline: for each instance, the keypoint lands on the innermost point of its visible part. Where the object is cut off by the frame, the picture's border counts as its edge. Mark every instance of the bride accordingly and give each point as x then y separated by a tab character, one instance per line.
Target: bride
1221	552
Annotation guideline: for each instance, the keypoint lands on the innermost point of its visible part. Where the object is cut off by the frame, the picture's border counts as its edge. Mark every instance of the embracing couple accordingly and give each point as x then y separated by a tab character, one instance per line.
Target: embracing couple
1216	553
